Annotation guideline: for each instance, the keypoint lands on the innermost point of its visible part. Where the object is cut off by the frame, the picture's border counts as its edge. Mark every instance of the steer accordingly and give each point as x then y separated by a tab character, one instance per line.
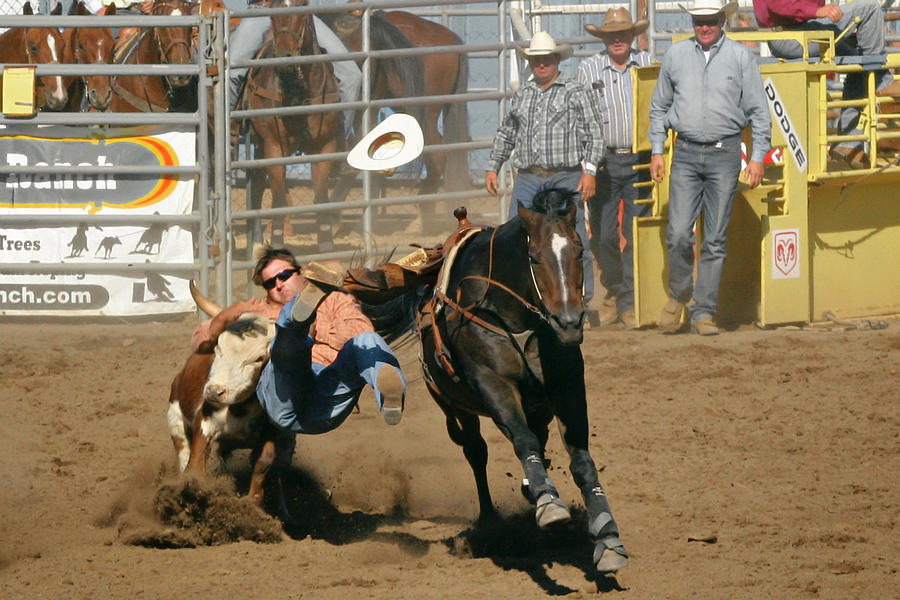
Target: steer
213	399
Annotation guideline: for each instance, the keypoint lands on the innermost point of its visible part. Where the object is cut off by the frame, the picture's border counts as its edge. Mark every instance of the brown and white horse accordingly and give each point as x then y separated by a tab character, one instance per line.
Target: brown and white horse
37	46
90	45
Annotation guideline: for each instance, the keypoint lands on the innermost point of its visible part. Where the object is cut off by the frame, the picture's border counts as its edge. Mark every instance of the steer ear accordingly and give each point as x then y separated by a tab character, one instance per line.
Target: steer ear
204	303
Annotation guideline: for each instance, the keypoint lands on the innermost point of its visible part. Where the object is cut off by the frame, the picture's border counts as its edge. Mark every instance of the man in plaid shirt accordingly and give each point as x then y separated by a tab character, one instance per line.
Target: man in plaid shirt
554	126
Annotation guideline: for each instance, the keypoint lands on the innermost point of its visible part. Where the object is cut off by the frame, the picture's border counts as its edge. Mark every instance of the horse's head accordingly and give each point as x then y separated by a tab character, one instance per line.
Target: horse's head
94	45
554	256
44	45
174	43
292	33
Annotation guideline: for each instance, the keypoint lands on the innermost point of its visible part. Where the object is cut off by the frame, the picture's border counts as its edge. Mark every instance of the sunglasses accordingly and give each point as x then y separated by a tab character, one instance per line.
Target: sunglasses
705	21
268	284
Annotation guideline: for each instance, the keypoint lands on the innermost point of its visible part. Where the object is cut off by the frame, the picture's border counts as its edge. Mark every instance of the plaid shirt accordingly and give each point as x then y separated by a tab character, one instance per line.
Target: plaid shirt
555	128
338	319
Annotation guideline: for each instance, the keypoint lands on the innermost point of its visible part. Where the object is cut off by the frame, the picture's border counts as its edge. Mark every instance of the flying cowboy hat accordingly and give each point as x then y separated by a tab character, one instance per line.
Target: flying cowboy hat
705	8
618	19
394	142
543	44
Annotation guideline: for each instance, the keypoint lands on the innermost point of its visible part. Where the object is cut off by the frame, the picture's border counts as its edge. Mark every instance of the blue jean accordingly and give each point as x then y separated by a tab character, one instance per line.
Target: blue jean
247	39
306	397
614	183
704	180
869	37
527	185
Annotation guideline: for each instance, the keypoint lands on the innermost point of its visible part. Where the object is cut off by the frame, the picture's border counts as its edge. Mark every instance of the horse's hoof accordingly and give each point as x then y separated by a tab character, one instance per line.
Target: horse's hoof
551	511
611	561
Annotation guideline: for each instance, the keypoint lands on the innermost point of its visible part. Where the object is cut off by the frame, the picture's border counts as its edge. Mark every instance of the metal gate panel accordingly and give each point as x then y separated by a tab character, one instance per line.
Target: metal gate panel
854	236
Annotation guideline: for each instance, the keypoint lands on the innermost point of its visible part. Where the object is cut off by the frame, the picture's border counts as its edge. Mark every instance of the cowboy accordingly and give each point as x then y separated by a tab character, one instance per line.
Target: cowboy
817	15
553	124
608	74
708	90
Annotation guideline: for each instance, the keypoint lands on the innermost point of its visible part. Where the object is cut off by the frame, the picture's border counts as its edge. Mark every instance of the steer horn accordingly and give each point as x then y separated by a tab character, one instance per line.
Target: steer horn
204	303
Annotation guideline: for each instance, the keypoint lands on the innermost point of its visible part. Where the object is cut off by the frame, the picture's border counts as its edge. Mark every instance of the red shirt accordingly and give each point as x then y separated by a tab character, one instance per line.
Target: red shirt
776	13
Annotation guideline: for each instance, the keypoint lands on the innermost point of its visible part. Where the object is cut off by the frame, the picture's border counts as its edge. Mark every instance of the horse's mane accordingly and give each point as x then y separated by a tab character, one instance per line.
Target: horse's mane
553	201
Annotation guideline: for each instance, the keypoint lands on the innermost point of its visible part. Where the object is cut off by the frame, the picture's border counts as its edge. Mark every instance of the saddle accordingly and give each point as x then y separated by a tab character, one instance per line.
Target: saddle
421	267
129	38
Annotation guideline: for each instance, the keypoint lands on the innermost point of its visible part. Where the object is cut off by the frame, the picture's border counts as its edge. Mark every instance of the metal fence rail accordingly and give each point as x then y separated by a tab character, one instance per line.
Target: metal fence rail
200	218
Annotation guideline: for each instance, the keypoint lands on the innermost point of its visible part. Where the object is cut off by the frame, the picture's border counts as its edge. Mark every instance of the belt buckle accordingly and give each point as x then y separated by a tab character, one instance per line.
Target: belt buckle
621	151
718	145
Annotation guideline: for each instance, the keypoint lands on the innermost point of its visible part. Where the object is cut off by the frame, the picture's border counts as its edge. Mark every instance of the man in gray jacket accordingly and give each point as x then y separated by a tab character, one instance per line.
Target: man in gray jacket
709	88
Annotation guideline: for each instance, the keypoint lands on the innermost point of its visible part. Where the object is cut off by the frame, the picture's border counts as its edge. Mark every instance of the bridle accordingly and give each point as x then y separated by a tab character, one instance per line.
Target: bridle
174	42
299	36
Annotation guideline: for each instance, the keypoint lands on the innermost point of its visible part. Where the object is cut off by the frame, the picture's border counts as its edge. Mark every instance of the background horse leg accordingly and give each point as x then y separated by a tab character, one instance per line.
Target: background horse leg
325	221
273	146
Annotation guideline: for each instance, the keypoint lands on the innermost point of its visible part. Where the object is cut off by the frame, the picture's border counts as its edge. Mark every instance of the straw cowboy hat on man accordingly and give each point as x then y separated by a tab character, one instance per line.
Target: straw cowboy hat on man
616	20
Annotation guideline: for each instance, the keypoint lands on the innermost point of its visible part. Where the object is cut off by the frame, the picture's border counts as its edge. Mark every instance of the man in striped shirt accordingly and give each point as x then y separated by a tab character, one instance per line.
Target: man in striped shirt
608	74
553	124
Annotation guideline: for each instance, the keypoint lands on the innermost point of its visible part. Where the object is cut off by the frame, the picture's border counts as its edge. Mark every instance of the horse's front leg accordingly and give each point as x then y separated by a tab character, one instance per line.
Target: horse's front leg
566	381
273	135
504	402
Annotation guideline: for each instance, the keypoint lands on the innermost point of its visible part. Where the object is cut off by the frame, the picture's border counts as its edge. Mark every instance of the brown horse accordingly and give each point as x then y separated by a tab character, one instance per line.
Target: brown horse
155	46
443	74
90	45
37	46
295	85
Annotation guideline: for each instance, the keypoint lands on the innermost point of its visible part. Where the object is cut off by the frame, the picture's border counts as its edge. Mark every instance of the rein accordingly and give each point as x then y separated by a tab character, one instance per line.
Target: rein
466	311
321	92
142	104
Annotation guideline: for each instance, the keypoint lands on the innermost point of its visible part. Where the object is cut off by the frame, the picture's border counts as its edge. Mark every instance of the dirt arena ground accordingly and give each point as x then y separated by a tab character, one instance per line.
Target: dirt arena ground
757	464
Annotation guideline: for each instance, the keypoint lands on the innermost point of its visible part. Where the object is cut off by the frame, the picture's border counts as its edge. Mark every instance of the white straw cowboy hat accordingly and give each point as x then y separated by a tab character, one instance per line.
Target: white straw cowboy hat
543	44
618	19
394	142
704	8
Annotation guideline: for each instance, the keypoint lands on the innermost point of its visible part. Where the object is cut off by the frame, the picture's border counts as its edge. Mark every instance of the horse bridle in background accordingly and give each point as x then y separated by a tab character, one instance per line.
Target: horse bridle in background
164	50
300	38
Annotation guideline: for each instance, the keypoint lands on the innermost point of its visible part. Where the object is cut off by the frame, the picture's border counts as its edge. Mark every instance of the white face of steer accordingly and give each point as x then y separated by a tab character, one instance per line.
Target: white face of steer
241	352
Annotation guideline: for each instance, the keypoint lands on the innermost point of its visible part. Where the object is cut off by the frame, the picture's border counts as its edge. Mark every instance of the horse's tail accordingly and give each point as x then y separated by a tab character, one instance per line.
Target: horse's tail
456	129
396	318
408	70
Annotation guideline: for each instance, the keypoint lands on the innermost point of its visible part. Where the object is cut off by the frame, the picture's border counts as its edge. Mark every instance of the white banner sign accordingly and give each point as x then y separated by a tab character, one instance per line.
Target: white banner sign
134	293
